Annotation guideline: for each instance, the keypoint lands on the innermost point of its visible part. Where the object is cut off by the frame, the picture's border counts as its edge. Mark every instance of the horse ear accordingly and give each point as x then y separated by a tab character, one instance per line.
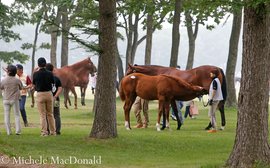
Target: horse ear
129	65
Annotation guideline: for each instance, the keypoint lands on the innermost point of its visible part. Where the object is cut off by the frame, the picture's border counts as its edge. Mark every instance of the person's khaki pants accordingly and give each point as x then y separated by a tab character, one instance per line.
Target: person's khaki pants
212	114
45	107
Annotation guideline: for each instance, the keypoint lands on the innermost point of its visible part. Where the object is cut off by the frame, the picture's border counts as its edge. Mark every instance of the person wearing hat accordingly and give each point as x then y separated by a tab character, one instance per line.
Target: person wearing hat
43	81
11	87
27	84
215	95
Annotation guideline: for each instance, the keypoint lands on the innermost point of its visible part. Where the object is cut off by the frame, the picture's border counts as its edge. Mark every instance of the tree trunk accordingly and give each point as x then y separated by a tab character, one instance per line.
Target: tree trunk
119	67
135	38
129	41
251	143
65	30
175	34
191	38
149	35
54	33
35	46
232	58
104	125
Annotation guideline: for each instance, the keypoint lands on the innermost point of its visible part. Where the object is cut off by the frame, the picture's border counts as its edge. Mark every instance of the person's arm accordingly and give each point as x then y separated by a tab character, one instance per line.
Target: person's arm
59	90
28	83
215	86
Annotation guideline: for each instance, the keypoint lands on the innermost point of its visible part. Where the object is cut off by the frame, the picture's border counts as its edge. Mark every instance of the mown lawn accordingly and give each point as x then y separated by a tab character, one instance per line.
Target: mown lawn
190	147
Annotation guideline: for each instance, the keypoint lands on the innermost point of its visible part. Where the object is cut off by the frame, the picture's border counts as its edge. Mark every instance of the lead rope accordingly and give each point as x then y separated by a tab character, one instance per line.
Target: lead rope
205	105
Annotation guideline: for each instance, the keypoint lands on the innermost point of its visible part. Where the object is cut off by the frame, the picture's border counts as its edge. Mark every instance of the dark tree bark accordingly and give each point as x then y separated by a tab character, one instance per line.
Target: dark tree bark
191	38
251	143
232	58
149	36
65	42
129	34
175	34
104	125
35	46
54	34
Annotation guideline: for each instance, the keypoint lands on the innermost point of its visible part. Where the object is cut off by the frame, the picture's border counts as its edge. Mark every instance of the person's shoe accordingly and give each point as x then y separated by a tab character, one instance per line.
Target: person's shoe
212	131
221	128
173	117
208	127
26	124
18	133
58	133
139	126
44	135
193	117
145	126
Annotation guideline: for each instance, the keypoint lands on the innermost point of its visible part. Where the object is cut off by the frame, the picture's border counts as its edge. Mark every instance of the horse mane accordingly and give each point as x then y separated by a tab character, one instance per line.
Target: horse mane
78	64
179	80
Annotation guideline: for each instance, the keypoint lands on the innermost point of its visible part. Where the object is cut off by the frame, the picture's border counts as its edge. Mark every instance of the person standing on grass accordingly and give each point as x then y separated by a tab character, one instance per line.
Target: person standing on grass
56	90
215	95
27	83
141	105
11	87
93	82
43	81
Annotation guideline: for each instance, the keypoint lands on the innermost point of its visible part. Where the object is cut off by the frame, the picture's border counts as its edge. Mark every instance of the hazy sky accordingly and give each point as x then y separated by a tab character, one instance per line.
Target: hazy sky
7	2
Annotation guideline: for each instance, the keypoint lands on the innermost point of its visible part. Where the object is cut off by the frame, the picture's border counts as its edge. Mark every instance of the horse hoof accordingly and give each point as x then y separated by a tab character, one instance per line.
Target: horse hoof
158	129
127	128
178	128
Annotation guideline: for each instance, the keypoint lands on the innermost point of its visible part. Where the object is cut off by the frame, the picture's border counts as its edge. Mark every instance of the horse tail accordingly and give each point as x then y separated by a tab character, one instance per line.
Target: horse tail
223	85
121	92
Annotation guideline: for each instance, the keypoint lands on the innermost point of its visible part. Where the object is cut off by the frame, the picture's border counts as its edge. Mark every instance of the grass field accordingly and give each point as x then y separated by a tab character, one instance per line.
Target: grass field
190	147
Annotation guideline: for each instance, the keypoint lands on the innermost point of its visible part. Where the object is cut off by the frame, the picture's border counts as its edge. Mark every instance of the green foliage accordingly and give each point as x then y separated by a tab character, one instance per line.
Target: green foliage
7	20
10	57
45	46
85	20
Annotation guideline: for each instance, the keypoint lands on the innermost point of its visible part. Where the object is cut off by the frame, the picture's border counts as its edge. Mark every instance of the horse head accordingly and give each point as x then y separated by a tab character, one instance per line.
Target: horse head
200	90
90	66
131	69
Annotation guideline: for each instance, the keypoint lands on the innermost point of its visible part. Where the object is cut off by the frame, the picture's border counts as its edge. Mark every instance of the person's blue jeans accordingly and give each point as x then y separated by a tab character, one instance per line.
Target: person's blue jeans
22	109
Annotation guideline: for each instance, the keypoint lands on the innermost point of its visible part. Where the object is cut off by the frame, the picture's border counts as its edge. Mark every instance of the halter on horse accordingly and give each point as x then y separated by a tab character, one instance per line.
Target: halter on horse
196	76
166	89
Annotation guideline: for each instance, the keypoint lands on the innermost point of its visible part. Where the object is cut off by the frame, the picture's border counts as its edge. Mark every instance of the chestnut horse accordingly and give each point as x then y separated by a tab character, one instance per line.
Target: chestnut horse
73	75
196	76
166	89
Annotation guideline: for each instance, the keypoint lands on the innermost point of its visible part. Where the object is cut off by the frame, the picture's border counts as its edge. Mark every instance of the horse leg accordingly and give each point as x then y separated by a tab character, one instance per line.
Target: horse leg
164	121
66	97
160	111
83	90
75	97
127	107
222	113
167	112
32	91
175	111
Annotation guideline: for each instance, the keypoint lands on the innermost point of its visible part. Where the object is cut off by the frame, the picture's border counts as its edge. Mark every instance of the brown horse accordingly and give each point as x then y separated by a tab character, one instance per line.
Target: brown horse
166	89
75	75
196	76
